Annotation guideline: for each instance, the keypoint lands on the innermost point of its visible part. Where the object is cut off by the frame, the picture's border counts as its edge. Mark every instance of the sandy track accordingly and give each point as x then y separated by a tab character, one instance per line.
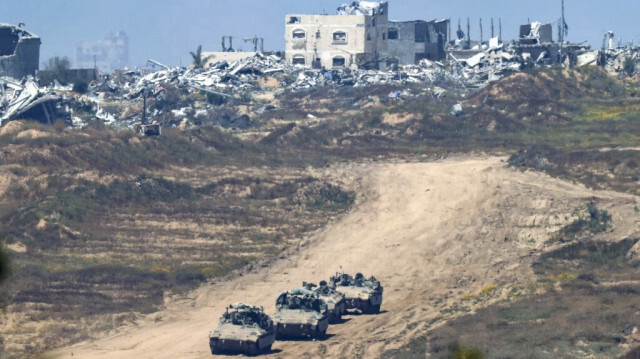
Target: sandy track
431	232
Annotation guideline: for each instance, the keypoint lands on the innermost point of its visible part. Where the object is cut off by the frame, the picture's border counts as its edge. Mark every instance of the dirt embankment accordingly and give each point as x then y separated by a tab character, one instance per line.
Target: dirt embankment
431	232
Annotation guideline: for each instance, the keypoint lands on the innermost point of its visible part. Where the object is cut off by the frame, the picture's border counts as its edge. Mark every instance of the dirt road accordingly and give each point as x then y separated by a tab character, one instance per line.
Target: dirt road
431	232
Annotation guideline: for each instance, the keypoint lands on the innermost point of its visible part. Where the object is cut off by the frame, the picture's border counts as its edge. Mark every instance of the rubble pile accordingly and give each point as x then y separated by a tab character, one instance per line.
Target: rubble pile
117	99
487	66
18	98
614	59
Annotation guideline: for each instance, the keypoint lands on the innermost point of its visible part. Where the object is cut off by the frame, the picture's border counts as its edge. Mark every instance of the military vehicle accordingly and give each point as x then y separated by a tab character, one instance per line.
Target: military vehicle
243	329
336	305
360	293
300	313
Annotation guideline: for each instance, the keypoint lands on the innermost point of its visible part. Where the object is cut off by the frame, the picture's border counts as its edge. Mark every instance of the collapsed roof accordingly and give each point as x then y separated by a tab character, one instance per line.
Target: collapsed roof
26	100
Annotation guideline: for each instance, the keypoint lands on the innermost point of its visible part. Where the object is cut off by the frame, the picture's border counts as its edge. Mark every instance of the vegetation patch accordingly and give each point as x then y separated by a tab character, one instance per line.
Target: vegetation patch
596	221
591	314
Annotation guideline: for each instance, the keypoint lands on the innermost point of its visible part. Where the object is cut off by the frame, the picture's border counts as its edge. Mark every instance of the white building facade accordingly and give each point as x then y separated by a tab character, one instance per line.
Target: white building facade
356	36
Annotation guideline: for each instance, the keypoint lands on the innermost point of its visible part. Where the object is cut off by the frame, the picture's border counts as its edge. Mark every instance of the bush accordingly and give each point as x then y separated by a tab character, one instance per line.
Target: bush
597	222
215	99
458	351
629	66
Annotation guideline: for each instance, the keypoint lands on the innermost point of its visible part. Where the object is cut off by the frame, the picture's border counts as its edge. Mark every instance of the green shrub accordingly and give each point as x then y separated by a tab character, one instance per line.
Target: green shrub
597	222
18	170
629	66
458	351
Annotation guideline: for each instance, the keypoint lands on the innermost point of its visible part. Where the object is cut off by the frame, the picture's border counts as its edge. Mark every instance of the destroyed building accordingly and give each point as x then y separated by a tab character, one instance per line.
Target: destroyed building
536	43
412	41
19	51
361	35
356	36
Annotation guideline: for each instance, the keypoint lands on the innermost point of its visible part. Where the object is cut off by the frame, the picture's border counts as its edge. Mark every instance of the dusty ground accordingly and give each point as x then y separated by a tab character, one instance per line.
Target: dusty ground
431	232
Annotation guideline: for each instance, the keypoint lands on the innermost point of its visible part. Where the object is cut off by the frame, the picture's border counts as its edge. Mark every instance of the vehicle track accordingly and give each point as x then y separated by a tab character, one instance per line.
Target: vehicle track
430	232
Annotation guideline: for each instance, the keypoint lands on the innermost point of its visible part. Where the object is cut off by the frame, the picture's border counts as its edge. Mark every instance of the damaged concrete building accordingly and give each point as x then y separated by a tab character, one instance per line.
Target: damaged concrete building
356	36
361	35
412	41
19	51
536	43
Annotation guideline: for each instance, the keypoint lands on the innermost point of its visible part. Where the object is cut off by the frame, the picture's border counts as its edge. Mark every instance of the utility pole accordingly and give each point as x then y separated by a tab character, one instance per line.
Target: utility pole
499	30
480	32
468	33
563	30
492	31
564	23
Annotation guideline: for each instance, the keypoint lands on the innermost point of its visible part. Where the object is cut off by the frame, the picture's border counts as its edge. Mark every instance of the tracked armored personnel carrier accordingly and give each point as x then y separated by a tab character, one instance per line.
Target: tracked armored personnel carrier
243	329
336	304
300	313
360	293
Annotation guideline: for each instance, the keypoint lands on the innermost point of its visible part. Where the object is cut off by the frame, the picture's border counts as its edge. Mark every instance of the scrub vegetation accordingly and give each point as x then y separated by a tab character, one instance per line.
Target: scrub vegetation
102	226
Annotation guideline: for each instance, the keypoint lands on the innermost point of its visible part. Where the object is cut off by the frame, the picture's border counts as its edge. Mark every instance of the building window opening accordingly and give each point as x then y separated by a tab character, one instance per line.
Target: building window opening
393	34
368	36
298	60
299	34
294	20
9	42
339	61
339	37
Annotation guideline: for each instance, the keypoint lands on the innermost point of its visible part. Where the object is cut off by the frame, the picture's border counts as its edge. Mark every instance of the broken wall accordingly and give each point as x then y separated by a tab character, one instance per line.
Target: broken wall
412	41
403	42
536	33
19	52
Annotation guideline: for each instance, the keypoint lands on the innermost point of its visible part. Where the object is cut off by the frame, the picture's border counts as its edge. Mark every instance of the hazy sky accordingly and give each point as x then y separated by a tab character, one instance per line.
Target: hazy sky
166	30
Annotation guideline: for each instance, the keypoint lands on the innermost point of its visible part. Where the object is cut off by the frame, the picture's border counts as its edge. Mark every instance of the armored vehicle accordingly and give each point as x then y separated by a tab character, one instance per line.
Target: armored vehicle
360	293
243	329
336	305
300	313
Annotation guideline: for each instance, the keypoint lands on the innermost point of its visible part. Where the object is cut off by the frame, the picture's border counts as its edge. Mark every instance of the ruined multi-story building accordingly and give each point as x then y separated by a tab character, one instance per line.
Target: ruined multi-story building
19	52
108	55
361	35
412	41
356	36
